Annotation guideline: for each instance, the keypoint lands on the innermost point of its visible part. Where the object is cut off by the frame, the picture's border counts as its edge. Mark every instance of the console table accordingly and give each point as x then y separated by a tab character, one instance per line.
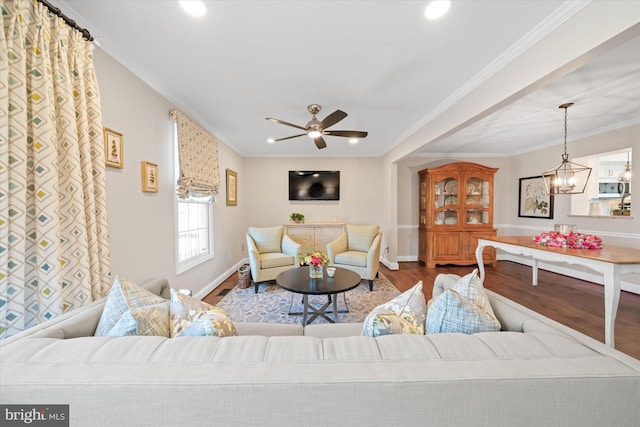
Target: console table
315	235
610	261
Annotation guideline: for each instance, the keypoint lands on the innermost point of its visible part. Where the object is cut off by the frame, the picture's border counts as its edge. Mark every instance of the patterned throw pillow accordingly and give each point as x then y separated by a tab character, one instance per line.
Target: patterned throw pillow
462	308
405	314
190	316
132	310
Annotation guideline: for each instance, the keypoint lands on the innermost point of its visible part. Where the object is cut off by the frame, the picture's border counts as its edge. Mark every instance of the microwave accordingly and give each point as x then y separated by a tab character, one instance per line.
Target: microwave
609	188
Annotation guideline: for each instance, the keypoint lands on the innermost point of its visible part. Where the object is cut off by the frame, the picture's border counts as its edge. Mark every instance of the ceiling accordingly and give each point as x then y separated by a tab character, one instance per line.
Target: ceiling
380	61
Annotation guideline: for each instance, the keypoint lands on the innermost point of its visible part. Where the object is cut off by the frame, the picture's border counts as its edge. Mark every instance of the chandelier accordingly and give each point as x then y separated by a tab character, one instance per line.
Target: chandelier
567	177
626	175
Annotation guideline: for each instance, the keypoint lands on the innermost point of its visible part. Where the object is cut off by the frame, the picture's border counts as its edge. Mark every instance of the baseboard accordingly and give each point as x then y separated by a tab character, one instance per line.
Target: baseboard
408	258
571	272
220	279
390	265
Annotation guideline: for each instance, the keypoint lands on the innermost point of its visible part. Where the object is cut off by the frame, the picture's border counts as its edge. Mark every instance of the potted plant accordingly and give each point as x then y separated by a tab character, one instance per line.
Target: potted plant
296	217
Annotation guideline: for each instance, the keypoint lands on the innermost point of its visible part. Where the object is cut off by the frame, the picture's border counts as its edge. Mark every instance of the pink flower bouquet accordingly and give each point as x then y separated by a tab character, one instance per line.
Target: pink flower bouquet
315	259
572	240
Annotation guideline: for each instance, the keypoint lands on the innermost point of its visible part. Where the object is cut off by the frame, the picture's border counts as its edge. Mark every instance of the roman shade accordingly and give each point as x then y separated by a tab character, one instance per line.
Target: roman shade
198	157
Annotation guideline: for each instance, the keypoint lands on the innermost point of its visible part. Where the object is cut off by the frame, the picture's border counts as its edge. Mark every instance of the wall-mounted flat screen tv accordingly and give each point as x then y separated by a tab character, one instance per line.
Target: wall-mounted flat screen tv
314	185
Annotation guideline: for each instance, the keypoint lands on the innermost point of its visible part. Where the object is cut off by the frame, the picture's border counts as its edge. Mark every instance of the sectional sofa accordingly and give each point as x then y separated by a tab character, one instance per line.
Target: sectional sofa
534	372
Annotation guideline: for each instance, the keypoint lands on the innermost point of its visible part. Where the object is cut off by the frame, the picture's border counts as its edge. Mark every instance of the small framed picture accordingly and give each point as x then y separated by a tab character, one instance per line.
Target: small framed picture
149	177
232	188
113	148
533	200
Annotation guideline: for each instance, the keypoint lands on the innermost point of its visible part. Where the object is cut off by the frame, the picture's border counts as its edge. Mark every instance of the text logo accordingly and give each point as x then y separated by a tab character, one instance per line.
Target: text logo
35	415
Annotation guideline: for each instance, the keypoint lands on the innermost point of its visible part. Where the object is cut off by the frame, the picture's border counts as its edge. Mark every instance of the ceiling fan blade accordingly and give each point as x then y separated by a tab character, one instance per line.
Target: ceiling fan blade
347	133
284	123
289	137
320	142
332	119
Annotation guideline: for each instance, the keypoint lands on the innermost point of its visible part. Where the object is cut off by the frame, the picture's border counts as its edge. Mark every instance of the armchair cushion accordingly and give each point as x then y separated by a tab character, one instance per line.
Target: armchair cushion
360	237
268	239
356	258
273	260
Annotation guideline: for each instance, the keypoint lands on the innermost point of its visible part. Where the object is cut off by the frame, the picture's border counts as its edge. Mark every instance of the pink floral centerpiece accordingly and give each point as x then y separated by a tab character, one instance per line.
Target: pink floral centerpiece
315	261
554	239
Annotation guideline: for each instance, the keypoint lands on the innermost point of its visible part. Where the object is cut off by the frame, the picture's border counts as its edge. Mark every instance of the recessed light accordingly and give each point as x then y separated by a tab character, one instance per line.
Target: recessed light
194	7
271	140
437	9
353	140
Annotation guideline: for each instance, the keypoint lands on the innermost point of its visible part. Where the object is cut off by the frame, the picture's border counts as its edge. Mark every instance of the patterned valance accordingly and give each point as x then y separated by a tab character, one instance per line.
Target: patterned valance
198	157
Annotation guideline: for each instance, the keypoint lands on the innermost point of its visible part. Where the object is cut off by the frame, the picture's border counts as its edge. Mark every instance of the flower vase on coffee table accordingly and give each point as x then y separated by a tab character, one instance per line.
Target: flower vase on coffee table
315	272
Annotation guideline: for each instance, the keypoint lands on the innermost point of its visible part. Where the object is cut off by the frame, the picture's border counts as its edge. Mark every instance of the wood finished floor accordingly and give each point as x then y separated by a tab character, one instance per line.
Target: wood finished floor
572	302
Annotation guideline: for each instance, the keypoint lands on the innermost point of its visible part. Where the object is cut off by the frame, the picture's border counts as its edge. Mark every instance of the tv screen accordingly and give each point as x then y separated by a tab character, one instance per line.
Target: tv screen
314	185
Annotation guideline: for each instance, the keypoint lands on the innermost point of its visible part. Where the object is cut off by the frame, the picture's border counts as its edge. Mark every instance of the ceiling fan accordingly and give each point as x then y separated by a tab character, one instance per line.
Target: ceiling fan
316	128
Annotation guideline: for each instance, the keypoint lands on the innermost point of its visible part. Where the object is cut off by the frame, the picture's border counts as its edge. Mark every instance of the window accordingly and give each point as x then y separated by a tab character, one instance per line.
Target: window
194	242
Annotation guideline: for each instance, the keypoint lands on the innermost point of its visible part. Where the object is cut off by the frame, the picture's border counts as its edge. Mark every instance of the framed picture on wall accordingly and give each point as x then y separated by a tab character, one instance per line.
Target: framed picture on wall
232	188
533	200
149	177
113	148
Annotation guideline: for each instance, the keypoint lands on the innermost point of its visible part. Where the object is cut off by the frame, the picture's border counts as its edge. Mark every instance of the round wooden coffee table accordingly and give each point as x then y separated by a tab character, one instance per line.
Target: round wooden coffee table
297	280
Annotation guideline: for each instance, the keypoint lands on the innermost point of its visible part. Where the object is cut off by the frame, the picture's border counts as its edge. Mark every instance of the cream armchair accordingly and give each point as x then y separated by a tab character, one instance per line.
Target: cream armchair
357	249
271	252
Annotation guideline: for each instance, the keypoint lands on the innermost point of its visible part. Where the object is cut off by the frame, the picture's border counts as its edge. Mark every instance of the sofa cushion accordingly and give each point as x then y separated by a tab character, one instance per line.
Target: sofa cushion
360	237
464	307
275	259
125	308
192	317
405	314
359	259
267	239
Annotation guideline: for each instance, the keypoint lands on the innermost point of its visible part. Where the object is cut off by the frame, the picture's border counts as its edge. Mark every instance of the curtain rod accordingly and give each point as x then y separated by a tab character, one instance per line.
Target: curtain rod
69	21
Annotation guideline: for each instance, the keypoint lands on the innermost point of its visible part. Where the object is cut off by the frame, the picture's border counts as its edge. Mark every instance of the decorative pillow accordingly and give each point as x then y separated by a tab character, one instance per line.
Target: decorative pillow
405	314
125	310
267	239
360	237
462	308
472	288
190	316
149	320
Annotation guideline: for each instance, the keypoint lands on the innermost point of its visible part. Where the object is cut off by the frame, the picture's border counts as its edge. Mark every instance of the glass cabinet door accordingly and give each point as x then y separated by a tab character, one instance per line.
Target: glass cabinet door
477	199
446	201
423	201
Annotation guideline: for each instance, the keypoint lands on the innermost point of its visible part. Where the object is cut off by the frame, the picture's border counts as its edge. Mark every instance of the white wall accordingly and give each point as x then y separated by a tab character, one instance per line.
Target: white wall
142	224
266	195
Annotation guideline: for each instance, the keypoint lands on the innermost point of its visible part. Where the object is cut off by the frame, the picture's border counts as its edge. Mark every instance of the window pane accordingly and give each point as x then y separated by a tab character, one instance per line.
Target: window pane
193	230
183	223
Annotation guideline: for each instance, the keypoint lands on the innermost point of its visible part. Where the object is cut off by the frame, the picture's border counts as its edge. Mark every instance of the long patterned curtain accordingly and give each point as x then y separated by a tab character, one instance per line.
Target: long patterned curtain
54	247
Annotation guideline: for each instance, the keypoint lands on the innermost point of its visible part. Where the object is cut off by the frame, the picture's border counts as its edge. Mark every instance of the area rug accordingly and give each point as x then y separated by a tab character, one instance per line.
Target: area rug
272	304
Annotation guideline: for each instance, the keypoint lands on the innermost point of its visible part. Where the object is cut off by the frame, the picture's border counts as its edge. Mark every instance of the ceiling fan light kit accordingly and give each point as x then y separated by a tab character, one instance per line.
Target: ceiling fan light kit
567	177
315	128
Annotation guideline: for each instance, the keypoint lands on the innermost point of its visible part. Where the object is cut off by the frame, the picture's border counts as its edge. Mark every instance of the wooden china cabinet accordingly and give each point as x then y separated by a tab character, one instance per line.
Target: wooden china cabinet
456	209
